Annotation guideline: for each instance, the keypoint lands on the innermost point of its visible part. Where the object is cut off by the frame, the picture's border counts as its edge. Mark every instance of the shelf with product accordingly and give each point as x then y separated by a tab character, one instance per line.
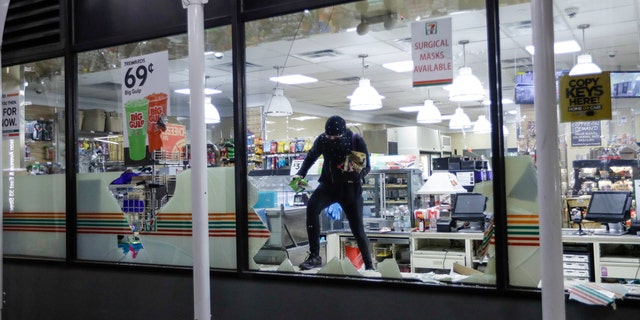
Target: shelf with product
614	174
43	148
389	198
279	154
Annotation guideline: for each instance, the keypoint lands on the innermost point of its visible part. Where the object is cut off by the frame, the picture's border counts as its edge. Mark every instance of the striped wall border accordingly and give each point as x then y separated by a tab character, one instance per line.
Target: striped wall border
523	230
221	225
35	221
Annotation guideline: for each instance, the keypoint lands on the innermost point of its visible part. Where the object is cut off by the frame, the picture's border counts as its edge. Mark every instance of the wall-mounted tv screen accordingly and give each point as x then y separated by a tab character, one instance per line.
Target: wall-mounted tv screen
625	84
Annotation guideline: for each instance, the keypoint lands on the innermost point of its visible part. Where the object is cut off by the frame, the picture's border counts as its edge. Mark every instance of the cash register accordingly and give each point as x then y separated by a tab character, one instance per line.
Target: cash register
469	208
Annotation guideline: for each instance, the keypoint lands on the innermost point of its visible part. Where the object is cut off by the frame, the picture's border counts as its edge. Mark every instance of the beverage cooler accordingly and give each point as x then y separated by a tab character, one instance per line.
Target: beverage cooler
389	198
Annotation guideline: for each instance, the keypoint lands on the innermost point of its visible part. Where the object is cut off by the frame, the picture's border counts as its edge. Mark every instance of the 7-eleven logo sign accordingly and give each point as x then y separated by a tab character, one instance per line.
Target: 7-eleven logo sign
431	28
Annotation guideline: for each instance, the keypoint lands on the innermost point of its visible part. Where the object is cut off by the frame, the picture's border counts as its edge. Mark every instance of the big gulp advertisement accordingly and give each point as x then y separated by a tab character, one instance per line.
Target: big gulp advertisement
145	87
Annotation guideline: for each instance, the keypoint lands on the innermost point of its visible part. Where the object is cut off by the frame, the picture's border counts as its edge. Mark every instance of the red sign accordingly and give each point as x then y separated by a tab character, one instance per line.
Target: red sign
174	139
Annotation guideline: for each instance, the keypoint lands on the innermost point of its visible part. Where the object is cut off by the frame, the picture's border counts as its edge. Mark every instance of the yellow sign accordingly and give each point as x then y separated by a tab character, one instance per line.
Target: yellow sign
585	98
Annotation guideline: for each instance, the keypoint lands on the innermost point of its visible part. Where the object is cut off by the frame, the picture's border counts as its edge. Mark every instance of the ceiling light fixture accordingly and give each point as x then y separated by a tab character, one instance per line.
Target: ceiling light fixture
559	47
211	114
399	66
585	63
293	79
278	105
504	101
365	97
429	113
466	87
482	125
460	120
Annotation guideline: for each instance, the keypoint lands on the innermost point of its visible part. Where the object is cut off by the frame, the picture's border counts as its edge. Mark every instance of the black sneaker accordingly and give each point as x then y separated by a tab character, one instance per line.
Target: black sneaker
312	261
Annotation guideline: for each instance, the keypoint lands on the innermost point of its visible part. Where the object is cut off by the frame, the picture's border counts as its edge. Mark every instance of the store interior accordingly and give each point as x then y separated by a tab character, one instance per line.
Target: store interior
338	47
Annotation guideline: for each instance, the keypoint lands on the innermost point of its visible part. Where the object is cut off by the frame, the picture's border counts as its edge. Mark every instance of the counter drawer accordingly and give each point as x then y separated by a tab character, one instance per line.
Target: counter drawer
570	273
437	261
575	258
576	265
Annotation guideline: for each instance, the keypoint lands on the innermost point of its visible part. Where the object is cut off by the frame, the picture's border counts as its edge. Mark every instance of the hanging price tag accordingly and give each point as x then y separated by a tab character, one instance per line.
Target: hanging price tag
295	166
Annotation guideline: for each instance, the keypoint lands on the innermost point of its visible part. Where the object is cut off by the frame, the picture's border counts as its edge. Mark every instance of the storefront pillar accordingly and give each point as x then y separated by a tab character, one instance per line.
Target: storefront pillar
4	7
547	155
199	196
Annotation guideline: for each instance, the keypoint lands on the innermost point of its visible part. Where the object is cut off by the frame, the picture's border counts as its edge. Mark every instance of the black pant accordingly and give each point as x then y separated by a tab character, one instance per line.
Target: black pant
349	196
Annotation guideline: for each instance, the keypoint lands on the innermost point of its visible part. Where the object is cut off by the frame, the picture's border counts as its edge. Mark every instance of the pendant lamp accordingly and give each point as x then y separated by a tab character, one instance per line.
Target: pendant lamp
278	105
211	114
365	97
466	86
429	113
460	120
482	125
585	63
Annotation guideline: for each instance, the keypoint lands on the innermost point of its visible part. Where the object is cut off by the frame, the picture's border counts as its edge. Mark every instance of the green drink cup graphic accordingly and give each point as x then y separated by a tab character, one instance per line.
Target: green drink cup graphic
136	112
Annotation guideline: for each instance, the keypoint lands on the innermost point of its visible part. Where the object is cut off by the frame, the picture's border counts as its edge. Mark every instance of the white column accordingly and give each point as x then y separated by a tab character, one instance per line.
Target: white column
547	159
4	7
199	197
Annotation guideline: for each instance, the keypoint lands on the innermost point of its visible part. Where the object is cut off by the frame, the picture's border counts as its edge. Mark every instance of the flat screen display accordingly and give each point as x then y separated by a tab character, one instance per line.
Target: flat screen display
625	84
468	207
609	206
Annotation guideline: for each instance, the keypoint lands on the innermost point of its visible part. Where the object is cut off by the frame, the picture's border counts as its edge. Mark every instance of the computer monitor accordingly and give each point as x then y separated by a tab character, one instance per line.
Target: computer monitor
468	207
610	208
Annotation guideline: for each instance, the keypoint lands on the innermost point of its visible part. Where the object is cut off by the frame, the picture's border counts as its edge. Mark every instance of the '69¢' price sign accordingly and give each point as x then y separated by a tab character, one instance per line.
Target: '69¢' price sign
145	75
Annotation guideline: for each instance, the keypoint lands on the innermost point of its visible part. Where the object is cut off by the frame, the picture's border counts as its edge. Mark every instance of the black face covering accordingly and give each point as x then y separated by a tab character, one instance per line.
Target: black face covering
339	147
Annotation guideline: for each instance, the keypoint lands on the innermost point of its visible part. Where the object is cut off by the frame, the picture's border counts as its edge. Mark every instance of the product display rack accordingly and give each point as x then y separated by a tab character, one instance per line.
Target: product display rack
593	175
392	190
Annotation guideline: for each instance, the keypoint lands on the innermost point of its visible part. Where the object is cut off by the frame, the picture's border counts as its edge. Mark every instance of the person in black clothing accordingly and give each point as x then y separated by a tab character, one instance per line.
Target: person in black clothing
337	184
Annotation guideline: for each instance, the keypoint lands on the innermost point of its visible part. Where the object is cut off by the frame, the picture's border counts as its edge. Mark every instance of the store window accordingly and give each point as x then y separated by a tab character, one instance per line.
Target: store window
134	178
597	151
410	53
34	150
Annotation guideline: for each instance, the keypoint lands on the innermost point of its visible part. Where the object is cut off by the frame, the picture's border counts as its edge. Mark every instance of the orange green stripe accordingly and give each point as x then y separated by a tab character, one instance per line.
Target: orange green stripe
34	221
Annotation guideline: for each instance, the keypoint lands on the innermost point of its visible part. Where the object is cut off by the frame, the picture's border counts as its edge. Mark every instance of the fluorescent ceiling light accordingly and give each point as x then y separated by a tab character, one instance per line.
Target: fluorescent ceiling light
207	91
400	66
293	79
305	118
410	108
560	47
504	101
